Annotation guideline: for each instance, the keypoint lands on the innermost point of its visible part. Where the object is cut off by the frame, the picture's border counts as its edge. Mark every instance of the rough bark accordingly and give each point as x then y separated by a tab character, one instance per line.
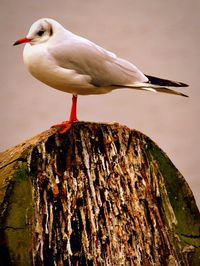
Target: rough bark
98	195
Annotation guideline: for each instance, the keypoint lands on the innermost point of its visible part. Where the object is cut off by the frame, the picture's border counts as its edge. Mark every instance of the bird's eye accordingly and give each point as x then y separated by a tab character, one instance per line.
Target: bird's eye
40	33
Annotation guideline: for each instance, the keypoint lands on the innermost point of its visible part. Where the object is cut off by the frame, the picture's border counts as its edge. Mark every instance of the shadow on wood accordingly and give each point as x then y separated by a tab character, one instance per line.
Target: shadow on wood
98	195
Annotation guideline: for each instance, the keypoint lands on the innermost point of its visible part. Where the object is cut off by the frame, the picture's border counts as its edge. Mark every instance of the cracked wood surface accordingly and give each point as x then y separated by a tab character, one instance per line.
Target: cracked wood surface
101	194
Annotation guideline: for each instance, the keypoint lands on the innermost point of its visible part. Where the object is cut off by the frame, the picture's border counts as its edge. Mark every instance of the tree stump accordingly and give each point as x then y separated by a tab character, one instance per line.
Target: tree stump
100	194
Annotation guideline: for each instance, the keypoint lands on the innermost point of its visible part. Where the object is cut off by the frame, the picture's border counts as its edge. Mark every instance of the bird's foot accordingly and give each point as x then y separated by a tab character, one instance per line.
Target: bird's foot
66	125
63	127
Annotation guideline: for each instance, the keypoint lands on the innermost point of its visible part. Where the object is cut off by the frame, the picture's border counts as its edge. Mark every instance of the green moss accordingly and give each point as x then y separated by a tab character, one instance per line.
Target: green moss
180	195
21	172
17	221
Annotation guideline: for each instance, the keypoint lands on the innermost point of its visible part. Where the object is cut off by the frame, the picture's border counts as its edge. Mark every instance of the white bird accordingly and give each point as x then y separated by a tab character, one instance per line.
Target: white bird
73	64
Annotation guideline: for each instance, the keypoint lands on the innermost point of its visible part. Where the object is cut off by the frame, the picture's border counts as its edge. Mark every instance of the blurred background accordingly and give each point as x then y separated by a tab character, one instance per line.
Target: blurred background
161	38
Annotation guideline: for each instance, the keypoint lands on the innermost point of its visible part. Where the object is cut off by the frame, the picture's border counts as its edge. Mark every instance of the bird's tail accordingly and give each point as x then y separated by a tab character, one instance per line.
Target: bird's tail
153	88
155	84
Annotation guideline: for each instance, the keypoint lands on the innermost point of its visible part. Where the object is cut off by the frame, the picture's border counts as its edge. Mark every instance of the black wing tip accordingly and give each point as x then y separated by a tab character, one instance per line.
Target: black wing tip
183	84
165	82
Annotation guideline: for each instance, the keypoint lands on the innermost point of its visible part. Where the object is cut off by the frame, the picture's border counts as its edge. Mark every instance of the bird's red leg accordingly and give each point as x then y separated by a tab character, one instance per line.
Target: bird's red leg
73	116
65	126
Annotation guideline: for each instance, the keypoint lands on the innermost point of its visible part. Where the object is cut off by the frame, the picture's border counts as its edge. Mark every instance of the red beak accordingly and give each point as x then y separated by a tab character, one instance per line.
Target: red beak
23	40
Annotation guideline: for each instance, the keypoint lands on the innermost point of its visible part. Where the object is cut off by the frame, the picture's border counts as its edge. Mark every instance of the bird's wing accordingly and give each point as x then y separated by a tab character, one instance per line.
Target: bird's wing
103	67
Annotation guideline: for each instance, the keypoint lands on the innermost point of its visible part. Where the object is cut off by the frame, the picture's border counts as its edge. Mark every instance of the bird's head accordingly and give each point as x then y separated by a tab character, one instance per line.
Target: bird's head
41	31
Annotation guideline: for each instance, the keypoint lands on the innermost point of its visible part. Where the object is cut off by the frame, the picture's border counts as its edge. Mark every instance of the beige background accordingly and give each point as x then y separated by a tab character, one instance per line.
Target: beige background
161	37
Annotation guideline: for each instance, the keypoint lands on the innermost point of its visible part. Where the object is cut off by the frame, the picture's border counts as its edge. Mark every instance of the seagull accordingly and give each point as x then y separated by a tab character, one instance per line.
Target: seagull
73	64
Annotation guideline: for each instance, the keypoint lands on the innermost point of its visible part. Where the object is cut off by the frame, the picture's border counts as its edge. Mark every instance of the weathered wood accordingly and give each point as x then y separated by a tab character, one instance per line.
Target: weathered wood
98	195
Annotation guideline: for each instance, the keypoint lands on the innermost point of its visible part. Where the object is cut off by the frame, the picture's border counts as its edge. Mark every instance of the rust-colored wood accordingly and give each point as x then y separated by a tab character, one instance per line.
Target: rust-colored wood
98	195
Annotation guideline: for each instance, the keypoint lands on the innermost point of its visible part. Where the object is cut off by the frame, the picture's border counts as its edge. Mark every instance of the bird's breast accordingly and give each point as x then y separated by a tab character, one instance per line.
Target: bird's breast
44	68
38	61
